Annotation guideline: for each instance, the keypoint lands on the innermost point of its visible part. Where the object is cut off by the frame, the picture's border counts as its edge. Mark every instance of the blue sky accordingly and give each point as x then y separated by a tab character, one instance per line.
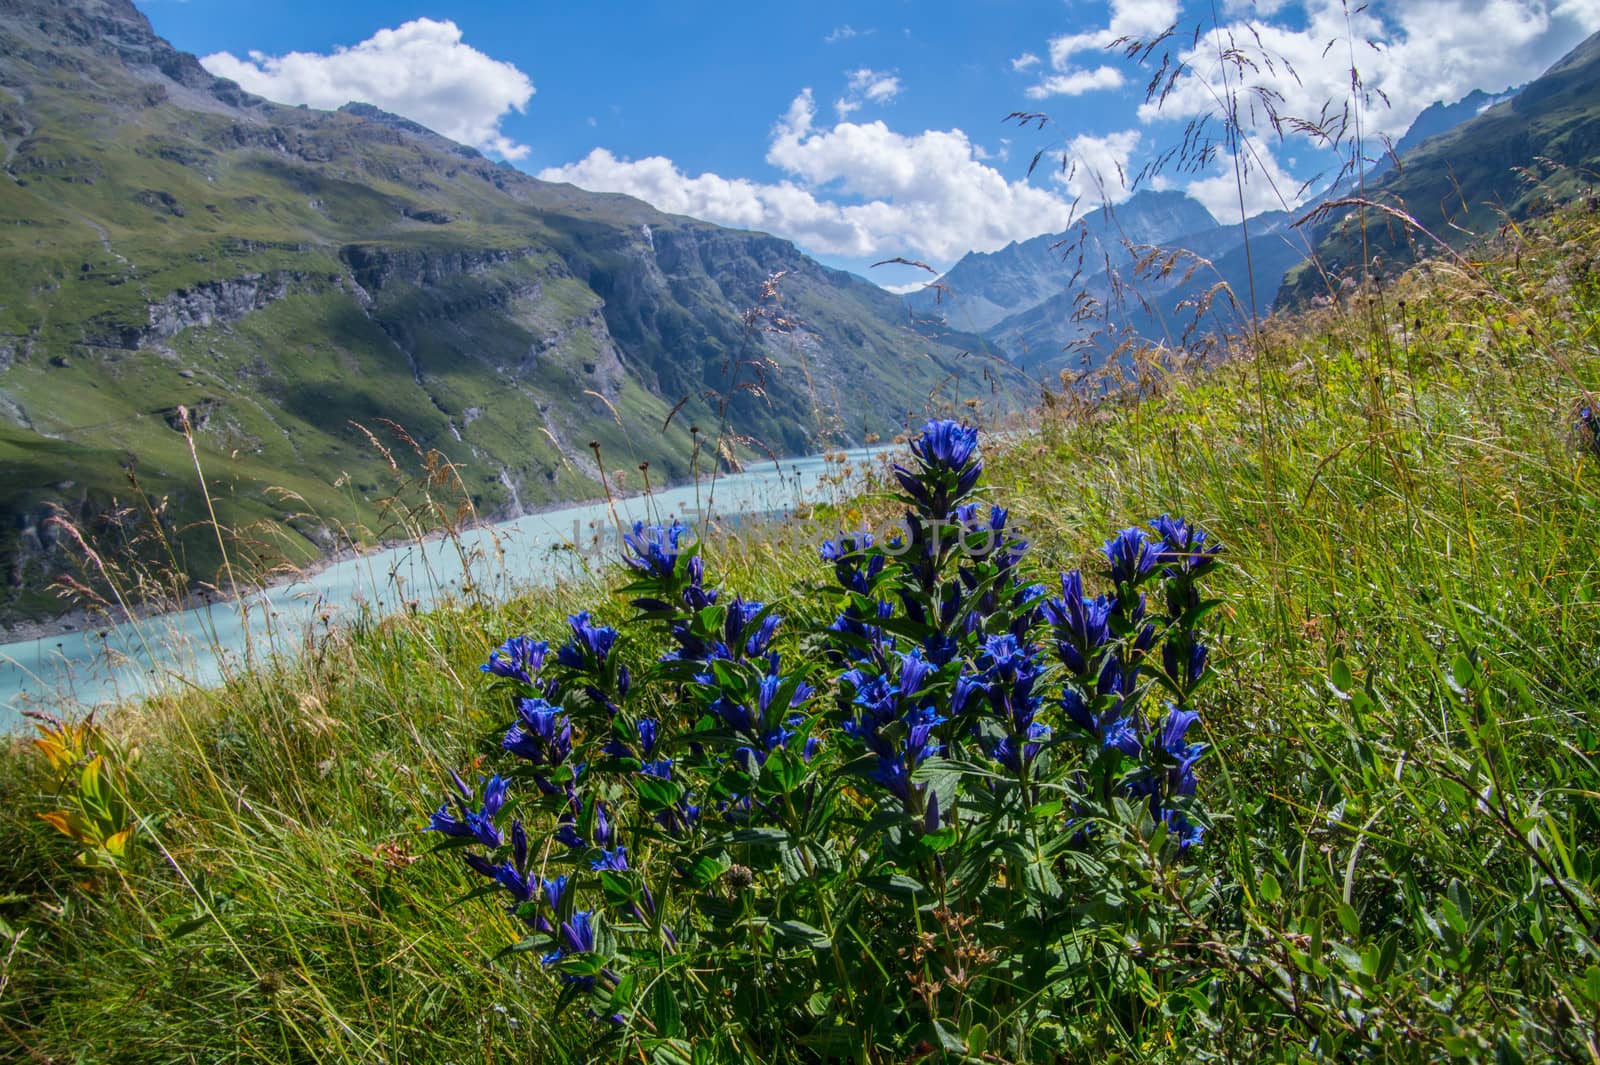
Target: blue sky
868	130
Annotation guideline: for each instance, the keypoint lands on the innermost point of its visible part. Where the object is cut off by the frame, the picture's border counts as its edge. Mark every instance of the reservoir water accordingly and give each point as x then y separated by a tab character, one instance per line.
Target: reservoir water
68	672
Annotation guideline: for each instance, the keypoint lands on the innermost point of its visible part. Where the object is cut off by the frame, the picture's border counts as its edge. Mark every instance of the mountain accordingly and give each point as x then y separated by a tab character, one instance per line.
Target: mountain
1540	146
1437	119
983	288
1065	300
1178	294
1058	301
296	279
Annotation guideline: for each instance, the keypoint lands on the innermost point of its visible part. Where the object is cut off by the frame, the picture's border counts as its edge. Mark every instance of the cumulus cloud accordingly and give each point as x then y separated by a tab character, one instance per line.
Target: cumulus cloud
1267	186
853	189
1025	61
1409	54
1139	19
1096	168
875	85
1077	82
866	86
421	69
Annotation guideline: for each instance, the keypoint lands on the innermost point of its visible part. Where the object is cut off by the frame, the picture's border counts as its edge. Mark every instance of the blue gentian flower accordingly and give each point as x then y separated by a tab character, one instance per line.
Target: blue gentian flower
854	569
542	734
553	891
1015	753
696	596
914	672
1082	625
653	550
649	732
472	824
615	860
590	644
946	444
1183	546
1131	555
661	767
1185	665
578	933
894	767
518	658
1182	829
576	937
946	453
1120	734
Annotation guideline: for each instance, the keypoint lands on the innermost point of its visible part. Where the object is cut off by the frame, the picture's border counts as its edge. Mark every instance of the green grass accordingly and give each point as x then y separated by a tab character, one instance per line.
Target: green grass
1410	597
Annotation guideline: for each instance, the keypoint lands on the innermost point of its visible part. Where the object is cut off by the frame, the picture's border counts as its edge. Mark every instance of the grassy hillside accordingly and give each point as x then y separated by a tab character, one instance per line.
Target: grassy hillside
1402	776
1514	160
299	277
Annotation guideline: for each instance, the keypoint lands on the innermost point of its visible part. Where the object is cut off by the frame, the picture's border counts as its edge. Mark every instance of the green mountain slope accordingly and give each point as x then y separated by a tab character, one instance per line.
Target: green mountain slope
290	276
1513	160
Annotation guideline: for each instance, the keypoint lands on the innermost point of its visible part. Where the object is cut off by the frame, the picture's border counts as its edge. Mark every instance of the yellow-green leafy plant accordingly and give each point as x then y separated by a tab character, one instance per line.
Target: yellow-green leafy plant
91	787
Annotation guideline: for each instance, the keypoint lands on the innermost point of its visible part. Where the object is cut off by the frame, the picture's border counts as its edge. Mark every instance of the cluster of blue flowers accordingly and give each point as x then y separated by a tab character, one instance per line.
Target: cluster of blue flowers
938	649
976	675
1589	426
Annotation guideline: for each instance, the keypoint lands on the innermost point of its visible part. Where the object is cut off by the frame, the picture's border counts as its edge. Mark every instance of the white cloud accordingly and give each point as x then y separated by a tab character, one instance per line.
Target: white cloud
1076	82
1259	7
1420	51
421	70
866	86
1137	19
855	189
1408	53
842	33
875	85
1267	186
1025	61
1096	168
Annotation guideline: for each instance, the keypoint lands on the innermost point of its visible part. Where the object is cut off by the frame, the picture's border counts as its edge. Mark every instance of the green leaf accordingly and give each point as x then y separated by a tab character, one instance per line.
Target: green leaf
1463	901
1348	919
940	839
1591	984
800	932
665	1012
1271	890
1339	676
1386	959
656	794
765	837
793	863
897	885
1452	916
707	869
977	1041
783	772
622	994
